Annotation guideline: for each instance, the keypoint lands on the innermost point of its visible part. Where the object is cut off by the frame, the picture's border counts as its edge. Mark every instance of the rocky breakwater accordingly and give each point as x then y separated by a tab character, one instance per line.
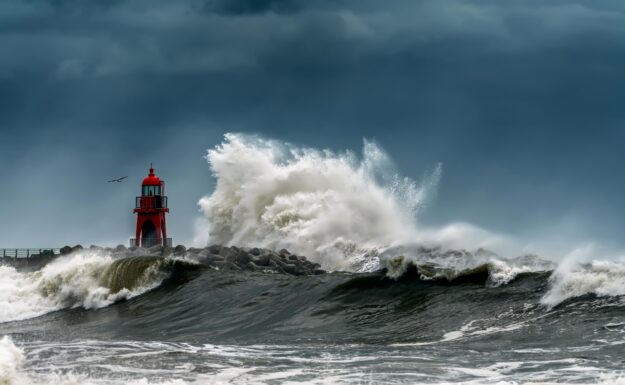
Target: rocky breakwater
251	259
229	258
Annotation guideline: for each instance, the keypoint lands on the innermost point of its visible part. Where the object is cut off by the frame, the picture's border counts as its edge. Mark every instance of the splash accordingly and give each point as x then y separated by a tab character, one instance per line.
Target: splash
331	207
11	358
572	279
88	279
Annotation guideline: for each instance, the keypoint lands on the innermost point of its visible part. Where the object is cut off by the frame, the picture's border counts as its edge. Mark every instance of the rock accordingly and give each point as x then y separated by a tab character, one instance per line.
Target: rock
167	251
77	247
255	251
252	267
231	266
210	259
261	260
292	269
214	249
65	250
119	248
284	253
243	258
292	257
180	250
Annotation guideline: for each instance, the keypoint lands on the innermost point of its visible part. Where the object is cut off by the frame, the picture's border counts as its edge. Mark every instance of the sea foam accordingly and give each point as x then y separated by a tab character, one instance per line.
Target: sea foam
572	279
76	280
344	211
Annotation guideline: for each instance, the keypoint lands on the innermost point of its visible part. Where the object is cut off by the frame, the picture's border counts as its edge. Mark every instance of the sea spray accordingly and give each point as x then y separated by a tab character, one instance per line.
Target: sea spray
10	359
88	279
572	279
456	265
330	207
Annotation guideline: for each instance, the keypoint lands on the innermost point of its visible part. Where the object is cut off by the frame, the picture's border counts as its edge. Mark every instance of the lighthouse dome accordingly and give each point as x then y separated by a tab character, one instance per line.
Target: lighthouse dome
151	179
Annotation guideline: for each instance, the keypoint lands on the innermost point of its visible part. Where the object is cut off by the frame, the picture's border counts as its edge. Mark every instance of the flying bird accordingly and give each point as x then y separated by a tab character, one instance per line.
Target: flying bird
118	179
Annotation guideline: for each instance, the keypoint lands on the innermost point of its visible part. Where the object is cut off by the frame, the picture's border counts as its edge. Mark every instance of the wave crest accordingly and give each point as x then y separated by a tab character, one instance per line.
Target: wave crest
88	279
458	265
601	278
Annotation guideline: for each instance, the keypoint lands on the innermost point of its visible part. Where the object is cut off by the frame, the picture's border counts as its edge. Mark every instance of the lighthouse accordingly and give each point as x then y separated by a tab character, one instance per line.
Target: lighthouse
151	207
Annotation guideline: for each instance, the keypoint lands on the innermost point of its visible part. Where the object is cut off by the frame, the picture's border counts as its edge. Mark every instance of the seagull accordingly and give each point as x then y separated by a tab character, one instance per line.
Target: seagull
118	179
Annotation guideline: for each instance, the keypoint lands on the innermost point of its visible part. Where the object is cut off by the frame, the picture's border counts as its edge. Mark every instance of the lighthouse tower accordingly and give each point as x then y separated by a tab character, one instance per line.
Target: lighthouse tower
151	207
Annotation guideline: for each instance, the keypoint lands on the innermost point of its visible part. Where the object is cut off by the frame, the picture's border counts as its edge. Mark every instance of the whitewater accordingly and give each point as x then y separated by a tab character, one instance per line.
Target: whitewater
400	302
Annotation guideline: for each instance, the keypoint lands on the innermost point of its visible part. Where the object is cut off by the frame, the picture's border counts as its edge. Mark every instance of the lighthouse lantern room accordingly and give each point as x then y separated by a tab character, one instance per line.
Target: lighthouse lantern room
151	207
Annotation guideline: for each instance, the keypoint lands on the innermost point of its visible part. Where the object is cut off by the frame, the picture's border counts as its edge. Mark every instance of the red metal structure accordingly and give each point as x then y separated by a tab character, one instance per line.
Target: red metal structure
151	207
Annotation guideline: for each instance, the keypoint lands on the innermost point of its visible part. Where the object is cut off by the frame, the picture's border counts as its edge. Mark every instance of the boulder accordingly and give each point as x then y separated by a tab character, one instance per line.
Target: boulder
243	258
261	260
214	249
180	250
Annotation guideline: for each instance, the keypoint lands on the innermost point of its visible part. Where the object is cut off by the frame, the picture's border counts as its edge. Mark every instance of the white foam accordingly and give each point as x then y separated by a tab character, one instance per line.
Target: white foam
336	208
330	207
450	265
10	359
571	279
67	282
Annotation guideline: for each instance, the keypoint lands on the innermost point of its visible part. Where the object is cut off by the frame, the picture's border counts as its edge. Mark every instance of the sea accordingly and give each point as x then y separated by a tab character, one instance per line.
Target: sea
401	302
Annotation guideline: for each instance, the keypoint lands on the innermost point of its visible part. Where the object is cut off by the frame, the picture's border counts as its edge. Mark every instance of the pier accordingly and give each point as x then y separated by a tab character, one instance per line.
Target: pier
29	252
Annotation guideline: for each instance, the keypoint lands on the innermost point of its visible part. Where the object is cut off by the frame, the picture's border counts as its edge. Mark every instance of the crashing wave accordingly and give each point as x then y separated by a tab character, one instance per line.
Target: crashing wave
330	207
570	279
88	279
456	265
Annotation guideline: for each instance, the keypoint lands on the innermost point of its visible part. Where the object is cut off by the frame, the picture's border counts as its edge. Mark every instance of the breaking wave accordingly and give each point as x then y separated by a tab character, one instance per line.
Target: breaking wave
340	210
571	279
336	208
88	279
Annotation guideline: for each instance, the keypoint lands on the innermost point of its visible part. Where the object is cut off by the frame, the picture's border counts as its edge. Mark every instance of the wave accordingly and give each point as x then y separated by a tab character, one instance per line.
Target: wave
13	358
88	279
342	211
599	278
459	265
333	208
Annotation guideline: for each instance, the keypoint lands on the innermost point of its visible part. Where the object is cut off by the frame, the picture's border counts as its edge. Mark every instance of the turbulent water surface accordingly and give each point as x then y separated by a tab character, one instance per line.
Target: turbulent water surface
400	303
185	323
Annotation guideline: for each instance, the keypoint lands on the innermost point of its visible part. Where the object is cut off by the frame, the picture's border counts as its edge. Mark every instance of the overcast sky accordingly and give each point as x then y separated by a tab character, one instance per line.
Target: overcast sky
522	101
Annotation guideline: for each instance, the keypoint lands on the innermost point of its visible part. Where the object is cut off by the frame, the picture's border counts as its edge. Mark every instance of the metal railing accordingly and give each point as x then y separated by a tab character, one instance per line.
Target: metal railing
28	253
149	242
151	202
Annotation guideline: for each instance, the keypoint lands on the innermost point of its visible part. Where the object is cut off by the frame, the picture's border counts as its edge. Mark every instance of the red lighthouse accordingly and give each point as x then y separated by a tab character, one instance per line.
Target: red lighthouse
151	207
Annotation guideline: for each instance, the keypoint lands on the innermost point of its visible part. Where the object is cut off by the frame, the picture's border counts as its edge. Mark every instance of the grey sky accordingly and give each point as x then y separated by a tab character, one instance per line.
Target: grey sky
522	102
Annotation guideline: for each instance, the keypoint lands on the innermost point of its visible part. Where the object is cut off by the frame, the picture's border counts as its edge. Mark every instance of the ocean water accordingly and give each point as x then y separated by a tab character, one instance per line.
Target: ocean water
188	324
401	303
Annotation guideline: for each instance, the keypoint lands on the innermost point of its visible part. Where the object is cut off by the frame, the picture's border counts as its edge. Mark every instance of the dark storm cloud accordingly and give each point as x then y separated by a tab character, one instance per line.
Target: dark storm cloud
520	100
238	7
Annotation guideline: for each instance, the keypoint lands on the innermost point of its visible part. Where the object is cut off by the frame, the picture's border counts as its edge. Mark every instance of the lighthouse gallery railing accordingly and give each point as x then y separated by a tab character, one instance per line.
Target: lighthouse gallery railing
151	202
